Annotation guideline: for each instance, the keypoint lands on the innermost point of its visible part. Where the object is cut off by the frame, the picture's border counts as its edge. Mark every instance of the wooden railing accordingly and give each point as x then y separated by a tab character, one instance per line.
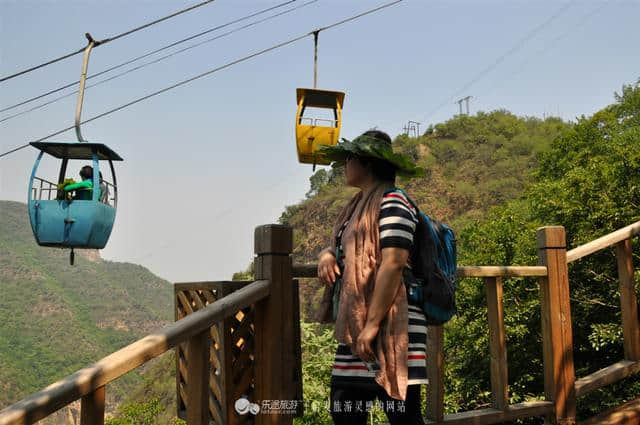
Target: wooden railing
255	352
268	293
271	341
630	364
501	410
561	388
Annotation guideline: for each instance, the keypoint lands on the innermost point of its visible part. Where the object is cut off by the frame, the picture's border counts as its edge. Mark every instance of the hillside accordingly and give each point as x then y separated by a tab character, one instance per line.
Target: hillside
55	319
496	178
473	163
584	176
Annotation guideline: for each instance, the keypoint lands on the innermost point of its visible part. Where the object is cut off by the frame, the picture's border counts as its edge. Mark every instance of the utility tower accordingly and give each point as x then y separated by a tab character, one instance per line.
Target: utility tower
466	100
412	129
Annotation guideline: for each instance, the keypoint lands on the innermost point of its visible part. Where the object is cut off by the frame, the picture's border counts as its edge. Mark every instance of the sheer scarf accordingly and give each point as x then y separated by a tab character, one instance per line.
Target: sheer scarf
362	257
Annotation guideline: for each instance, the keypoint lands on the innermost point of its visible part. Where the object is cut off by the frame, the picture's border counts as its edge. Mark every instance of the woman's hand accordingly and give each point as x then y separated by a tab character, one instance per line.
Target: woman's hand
364	342
328	268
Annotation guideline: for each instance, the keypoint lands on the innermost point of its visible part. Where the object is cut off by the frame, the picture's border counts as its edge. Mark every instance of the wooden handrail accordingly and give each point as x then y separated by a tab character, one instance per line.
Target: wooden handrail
603	242
627	413
111	367
275	302
310	270
608	375
526	409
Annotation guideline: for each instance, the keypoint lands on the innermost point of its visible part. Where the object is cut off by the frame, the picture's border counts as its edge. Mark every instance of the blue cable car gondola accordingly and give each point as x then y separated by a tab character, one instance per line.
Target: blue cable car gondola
56	219
59	219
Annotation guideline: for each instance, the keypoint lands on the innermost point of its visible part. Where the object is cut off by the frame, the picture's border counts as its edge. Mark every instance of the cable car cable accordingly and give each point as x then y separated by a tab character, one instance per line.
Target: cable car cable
549	46
66	86
42	105
14	150
204	74
352	18
105	41
532	33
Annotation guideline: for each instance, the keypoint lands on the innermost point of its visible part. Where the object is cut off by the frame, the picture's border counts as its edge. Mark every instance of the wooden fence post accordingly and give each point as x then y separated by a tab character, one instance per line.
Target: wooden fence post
92	408
435	373
557	338
275	335
497	344
198	376
628	301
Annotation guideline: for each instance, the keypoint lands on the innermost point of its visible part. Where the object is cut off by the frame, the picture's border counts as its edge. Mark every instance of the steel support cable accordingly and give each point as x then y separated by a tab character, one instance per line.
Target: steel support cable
550	45
532	33
204	74
144	65
120	65
107	40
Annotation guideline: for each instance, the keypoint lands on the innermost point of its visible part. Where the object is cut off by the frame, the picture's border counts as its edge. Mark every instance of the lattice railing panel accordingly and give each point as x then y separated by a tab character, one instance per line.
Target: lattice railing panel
232	361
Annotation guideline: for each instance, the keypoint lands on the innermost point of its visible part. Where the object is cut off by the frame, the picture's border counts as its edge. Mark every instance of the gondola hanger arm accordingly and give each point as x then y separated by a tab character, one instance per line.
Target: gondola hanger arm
83	79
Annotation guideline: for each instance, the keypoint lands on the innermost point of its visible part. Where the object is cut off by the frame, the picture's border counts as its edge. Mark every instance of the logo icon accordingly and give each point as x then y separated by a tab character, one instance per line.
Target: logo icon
244	406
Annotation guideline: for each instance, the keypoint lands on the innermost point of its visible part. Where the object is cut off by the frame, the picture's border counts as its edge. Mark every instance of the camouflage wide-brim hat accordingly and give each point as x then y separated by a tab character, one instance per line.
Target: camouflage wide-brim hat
371	147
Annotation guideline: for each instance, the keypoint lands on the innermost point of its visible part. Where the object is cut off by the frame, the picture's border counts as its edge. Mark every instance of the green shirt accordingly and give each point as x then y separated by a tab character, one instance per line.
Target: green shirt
84	190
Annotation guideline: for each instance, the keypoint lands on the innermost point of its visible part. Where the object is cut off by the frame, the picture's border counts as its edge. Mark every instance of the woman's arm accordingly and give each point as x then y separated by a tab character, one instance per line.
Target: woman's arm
388	279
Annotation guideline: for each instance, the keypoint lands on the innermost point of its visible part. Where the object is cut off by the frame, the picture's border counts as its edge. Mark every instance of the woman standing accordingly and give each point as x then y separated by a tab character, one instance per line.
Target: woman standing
382	338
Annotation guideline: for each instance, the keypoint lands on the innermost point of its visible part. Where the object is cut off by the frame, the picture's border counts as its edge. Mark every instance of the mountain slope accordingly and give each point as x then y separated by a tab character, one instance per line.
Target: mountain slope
55	319
473	163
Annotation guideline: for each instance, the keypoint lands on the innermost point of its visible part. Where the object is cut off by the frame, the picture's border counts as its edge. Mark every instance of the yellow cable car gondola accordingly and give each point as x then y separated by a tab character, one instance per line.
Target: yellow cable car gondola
313	132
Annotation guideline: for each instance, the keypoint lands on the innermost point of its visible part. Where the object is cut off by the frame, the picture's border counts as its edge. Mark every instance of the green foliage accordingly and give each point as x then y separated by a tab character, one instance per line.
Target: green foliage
137	414
145	413
481	161
588	182
506	236
318	348
497	178
317	181
46	307
245	275
605	335
593	172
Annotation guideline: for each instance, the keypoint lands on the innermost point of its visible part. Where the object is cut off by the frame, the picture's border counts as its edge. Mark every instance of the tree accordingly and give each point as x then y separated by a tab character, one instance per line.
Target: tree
588	182
317	181
137	414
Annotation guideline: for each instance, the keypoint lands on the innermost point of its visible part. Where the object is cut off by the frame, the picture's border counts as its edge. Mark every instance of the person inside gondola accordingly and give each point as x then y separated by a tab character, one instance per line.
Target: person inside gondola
104	190
83	189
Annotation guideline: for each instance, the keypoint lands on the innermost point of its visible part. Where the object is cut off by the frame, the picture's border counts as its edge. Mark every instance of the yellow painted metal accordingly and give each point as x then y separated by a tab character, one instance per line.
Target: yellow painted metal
311	132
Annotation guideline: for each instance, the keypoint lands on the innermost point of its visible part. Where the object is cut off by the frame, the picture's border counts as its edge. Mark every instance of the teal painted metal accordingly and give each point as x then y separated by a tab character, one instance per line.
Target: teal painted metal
72	223
75	224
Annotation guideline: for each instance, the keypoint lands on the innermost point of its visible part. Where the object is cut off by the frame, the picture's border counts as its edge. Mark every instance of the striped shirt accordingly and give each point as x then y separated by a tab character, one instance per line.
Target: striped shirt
398	220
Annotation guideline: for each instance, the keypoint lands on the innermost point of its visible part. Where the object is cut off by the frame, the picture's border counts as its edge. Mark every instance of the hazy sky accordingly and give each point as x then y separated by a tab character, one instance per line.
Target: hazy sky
207	162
